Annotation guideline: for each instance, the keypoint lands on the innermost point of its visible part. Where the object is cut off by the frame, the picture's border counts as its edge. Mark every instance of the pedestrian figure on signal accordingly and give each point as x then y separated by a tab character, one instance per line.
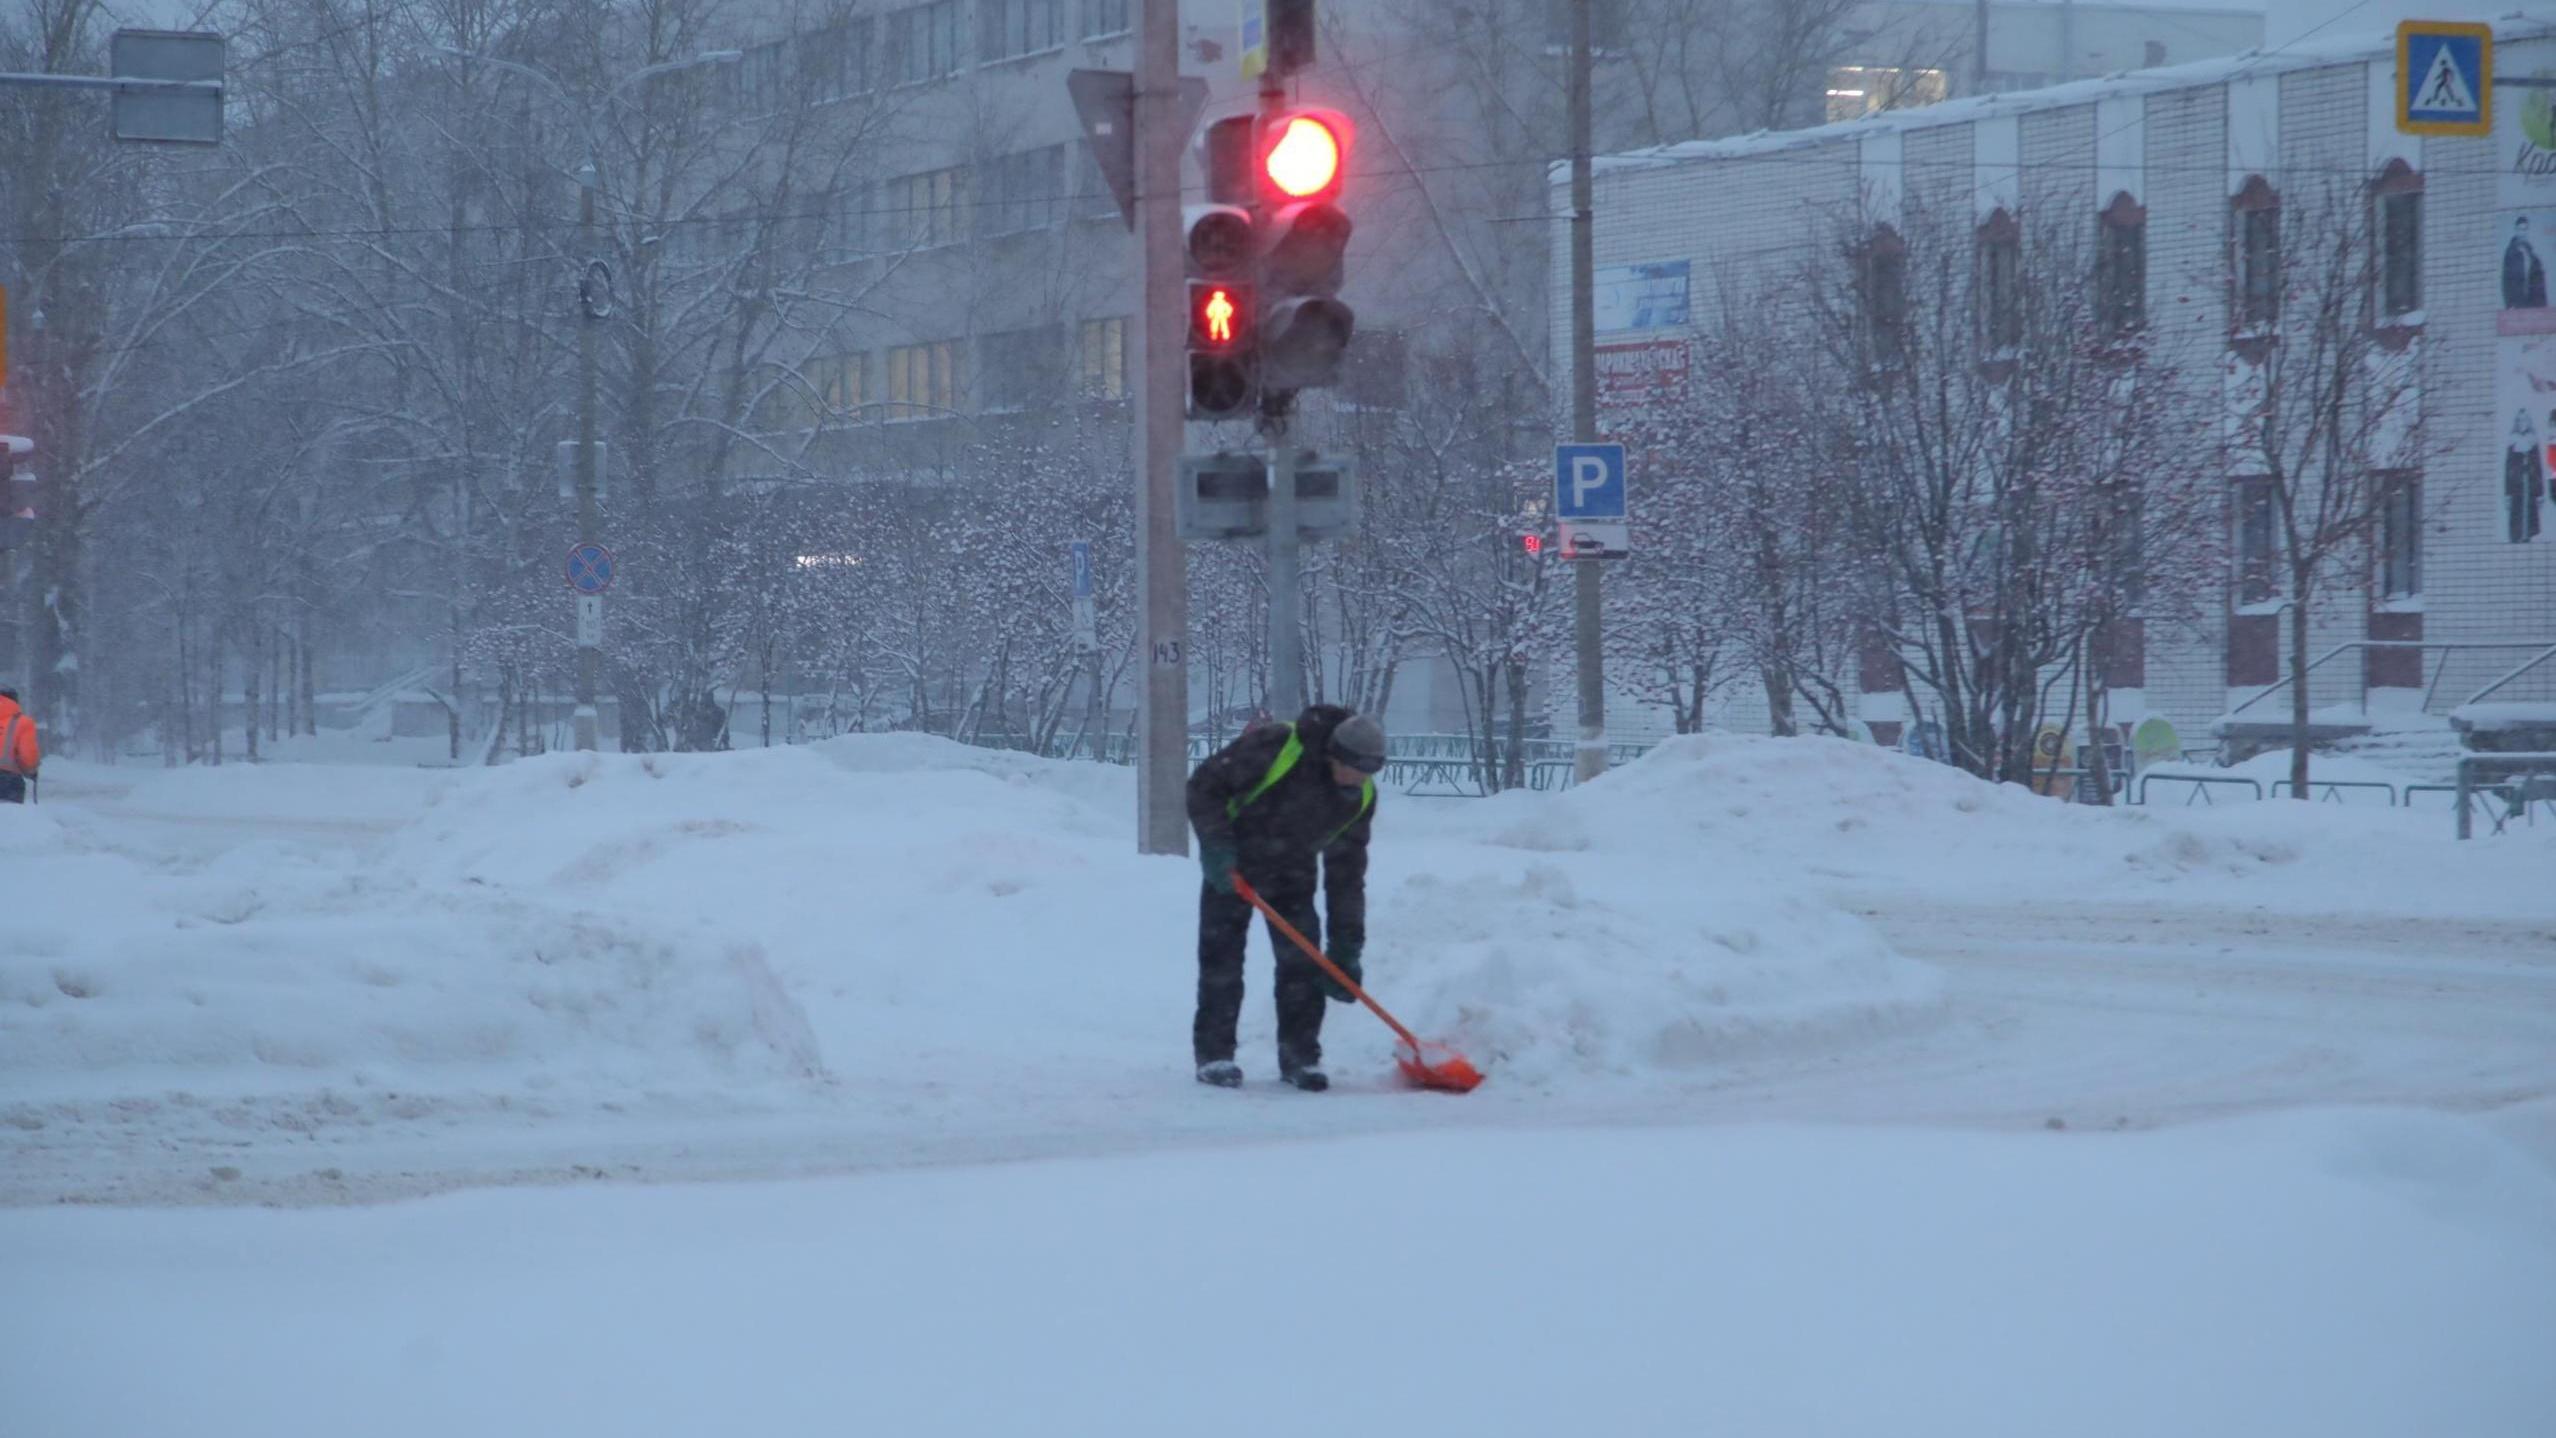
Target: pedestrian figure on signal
1270	805
19	752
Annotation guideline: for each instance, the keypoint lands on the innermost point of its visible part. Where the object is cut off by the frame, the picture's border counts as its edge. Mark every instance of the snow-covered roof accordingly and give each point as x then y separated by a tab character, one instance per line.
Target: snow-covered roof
2197	74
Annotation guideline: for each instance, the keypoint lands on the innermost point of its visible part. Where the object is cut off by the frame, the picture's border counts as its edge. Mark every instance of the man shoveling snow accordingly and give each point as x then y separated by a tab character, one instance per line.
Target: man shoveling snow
1269	805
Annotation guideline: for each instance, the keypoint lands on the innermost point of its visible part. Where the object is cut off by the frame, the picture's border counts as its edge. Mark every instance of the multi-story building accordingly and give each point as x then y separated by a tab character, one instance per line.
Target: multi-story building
2177	181
985	270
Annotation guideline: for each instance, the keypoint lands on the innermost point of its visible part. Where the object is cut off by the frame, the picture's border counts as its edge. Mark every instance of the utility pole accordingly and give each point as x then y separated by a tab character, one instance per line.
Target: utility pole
1589	628
1285	697
591	308
1162	575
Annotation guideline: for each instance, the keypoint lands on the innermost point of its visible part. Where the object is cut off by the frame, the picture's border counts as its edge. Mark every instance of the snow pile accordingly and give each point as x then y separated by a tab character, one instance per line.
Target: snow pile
796	929
1550	969
279	986
1857	819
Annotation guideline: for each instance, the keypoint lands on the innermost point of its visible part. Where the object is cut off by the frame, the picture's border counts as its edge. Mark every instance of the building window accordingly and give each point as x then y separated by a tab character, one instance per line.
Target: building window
1855	91
2258	542
1020	192
834	62
2396	232
923	209
755	83
2121	268
922	380
2001	284
2401	538
1104	17
2256	241
1881	284
1021	369
922	42
1101	365
1008	29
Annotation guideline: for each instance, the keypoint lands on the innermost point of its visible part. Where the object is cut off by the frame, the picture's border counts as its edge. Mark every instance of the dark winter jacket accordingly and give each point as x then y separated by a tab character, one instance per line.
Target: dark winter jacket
1303	815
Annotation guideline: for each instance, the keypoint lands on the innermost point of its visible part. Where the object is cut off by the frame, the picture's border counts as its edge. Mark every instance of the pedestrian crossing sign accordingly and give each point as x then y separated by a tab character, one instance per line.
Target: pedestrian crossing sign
2444	78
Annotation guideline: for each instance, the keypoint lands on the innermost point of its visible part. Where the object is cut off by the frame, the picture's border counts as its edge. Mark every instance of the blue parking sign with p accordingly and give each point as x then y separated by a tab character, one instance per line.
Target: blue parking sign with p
1082	552
1588	481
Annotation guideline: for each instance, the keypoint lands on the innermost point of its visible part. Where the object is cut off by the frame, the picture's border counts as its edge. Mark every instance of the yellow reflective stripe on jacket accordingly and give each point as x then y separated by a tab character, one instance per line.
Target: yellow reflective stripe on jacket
1285	764
1288	754
9	744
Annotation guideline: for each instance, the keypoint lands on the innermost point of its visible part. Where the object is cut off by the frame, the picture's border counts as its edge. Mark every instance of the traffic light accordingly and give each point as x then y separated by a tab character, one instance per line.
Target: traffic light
1304	242
17	495
1223	313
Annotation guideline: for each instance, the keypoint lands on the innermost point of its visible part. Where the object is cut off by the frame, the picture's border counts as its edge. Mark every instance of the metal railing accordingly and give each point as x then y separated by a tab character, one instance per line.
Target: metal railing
2530	785
2330	791
2430	689
2200	786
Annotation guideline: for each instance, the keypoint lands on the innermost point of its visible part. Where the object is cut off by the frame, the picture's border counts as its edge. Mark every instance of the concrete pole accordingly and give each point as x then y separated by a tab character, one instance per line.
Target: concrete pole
1286	694
586	723
1589	627
1162	574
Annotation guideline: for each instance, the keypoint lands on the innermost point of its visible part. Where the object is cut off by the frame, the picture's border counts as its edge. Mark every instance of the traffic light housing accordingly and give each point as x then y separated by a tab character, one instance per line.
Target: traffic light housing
1304	243
17	494
1223	312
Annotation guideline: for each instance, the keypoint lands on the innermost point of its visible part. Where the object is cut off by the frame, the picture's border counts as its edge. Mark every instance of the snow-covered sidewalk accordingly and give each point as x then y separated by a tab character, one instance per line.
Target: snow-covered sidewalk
2351	1274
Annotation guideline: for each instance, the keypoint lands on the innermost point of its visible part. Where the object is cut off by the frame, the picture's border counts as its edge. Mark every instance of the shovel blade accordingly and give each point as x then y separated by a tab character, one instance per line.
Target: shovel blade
1434	1065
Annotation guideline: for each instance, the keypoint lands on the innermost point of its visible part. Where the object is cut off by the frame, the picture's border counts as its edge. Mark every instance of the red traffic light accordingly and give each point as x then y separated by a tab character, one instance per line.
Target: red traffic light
1534	543
1302	153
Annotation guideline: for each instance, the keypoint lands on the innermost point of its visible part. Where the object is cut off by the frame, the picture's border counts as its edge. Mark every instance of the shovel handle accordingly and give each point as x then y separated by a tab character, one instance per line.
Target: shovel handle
1278	921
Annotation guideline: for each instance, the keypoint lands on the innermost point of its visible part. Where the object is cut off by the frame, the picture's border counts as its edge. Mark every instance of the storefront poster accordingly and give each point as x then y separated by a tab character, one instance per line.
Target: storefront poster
1649	296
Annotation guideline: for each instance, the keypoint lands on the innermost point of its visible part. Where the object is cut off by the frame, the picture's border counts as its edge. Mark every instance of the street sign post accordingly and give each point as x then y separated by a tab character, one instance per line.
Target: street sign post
1589	502
1086	618
589	568
1105	100
2444	78
176	115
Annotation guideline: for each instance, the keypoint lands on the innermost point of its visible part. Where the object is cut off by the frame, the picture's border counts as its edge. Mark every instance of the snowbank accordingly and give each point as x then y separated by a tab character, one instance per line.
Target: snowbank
2342	1274
1856	819
802	929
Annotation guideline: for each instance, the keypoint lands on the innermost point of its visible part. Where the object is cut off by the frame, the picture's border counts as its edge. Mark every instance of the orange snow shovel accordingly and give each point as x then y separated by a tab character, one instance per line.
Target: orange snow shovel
1430	1065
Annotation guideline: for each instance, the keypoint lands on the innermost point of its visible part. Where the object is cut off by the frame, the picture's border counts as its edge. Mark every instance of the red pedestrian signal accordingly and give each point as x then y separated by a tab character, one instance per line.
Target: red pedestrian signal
1219	315
1534	543
1223	322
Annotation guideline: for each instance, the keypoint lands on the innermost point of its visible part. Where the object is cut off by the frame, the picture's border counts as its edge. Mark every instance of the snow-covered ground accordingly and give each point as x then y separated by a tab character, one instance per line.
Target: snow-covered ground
1809	1071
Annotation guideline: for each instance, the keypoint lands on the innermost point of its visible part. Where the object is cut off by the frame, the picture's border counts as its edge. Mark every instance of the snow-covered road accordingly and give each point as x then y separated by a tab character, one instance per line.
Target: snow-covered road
1831	1094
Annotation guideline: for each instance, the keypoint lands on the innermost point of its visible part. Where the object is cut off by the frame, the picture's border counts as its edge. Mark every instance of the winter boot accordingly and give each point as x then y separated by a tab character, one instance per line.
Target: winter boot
1306	1077
1223	1073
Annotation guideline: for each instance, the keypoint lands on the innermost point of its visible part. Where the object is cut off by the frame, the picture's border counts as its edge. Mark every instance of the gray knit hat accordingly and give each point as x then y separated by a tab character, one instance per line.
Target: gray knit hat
1359	742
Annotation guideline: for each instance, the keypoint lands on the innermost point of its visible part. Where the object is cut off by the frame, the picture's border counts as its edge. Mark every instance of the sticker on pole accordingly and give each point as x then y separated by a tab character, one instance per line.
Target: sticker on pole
589	568
2444	78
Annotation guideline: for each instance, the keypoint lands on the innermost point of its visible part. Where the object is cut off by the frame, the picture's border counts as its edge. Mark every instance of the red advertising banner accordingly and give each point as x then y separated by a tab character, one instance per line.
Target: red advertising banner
1637	376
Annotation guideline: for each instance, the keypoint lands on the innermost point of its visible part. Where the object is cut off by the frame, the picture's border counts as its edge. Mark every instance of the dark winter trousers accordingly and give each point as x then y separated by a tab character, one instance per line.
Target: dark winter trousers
1224	923
13	787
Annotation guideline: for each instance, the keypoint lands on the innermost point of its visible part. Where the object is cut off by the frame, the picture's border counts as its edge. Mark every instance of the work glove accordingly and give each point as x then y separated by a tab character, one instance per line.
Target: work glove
1216	860
1345	952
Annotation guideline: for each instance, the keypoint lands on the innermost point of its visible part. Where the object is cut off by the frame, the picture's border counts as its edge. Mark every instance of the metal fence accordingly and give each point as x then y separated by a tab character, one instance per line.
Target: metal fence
2494	792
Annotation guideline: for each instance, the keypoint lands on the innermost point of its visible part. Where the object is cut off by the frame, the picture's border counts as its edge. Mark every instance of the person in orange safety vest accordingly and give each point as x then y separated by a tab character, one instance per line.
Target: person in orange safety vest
19	752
